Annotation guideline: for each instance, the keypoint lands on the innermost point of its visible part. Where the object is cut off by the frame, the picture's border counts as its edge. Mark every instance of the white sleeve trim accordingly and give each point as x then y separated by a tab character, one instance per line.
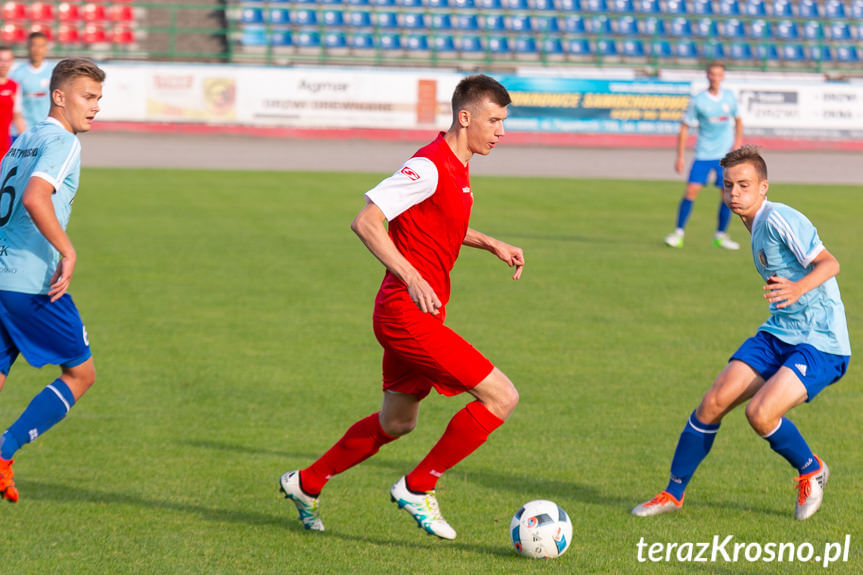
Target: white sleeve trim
785	230
413	183
47	178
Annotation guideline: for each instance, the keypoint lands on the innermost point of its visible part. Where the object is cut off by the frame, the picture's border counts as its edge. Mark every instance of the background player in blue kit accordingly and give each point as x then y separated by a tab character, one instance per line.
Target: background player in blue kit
34	80
713	112
38	319
801	349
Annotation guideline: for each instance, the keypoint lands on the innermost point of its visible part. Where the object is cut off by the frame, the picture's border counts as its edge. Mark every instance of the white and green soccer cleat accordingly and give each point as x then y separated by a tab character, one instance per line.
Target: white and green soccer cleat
424	508
674	239
721	240
289	484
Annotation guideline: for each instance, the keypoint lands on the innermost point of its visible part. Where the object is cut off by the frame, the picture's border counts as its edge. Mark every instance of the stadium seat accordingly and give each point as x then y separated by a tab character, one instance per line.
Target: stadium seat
493	22
685	49
440	21
604	47
96	34
594	5
740	51
436	4
600	25
857	9
573	24
754	8
705	28
525	46
812	30
14	11
786	30
577	47
333	18
782	9
489	5
252	16
542	5
675	7
652	26
845	53
626	26
357	3
415	43
409	3
766	52
386	20
732	28
834	9
42	12
568	5
515	5
623	6
712	51
466	22
383	3
817	53
702	7
413	21
361	41
252	36
647	6
334	2
518	23
121	13
552	46
67	12
443	43
544	24
281	38
307	39
839	30
68	34
632	48
660	49
729	8
470	44
389	42
43	28
680	27
359	19
759	29
807	9
498	46
792	52
304	17
280	16
92	12
462	4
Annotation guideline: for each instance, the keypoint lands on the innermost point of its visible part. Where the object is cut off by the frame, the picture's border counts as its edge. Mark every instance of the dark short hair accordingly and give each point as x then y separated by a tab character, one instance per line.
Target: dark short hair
34	35
472	90
746	154
68	69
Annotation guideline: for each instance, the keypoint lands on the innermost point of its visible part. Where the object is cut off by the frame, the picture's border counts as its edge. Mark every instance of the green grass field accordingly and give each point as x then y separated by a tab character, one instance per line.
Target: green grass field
230	319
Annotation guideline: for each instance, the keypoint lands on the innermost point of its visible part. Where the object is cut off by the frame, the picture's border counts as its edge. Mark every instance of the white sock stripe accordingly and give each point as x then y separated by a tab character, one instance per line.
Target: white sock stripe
60	395
700	430
775	429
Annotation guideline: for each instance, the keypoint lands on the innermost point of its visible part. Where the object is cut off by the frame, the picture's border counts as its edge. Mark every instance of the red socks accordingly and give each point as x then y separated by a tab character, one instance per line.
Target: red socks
467	430
361	441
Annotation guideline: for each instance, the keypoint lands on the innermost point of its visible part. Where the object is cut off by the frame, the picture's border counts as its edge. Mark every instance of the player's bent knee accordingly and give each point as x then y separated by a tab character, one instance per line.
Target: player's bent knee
398	428
762	420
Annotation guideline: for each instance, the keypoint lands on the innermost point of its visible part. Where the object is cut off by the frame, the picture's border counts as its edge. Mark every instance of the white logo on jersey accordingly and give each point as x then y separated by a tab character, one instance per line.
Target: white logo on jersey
802	368
86	339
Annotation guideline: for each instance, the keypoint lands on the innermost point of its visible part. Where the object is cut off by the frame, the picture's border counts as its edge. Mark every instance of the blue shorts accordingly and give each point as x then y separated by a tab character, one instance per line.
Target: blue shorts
766	353
44	332
700	172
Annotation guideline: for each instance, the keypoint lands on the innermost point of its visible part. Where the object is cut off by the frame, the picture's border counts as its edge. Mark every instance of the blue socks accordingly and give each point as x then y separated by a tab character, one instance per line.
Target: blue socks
723	217
692	447
46	409
683	213
787	442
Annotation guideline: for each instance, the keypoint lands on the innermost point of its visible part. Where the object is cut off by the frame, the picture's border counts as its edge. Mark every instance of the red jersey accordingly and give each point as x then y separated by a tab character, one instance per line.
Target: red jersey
8	95
427	204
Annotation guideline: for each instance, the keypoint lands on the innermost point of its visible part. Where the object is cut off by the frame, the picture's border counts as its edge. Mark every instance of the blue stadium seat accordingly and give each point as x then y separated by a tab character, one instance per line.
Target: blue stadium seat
466	22
807	9
600	25
759	29
652	26
304	18
409	3
605	47
413	21
729	8
703	7
384	3
252	16
792	52
525	46
463	4
389	42
712	51
440	21
416	43
595	5
497	45
647	6
624	6
857	29
817	53
754	8
518	23
436	4
680	27
362	41
542	5
577	47
573	24
834	9
493	22
335	40
732	28
766	52
786	30
254	36
845	53
632	48
281	38
357	2
489	5
386	20
568	5
515	5
552	46
685	49
660	49
839	30
333	18
444	43
306	38
705	28
782	9
626	26
280	17
359	19
812	30
675	7
544	24
857	9
470	44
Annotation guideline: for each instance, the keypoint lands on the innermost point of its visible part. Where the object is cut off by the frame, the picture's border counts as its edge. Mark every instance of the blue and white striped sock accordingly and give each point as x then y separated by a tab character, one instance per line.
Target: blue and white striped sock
692	447
787	441
45	410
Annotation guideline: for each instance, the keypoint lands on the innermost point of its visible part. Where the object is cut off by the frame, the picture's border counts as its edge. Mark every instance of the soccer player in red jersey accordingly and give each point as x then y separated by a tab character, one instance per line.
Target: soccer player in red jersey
415	223
10	105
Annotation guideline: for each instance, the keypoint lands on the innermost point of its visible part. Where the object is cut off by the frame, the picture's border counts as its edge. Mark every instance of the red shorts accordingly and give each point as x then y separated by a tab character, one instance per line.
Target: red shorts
420	352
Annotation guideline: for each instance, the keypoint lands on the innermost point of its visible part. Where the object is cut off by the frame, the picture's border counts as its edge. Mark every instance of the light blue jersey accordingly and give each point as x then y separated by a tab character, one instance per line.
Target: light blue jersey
714	117
35	91
52	153
784	243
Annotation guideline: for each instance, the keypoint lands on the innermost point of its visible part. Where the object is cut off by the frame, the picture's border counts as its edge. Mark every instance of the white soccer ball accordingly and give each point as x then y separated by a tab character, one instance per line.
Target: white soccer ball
541	529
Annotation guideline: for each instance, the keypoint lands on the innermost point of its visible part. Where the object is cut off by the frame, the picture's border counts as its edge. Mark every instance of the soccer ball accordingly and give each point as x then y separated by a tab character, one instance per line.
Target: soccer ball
540	529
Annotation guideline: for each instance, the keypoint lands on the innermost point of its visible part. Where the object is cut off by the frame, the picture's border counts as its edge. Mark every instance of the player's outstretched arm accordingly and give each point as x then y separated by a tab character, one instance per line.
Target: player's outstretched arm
370	226
783	290
37	202
510	255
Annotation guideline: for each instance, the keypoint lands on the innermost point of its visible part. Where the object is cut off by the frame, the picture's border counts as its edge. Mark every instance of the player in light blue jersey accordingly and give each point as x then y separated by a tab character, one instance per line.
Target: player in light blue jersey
801	349
713	112
34	79
38	319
